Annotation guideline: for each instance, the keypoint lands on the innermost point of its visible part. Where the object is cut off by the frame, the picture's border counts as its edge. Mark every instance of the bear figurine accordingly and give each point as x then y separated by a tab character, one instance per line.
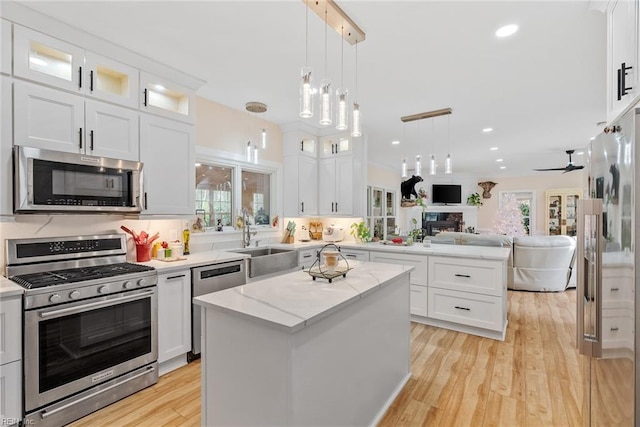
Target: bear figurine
408	187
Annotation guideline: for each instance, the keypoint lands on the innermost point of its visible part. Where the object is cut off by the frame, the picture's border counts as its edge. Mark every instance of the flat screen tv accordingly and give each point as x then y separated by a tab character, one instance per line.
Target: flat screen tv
446	194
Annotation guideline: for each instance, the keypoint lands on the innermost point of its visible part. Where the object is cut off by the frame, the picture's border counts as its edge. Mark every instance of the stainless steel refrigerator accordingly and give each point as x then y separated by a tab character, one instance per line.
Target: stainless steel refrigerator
607	300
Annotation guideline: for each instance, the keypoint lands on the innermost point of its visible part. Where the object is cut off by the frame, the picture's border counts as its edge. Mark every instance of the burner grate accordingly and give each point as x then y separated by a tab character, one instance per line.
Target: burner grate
74	275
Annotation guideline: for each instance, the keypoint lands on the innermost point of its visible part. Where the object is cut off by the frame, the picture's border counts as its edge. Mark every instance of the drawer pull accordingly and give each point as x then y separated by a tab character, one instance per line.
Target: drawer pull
350	255
615	289
176	277
307	256
463	308
463	275
614	329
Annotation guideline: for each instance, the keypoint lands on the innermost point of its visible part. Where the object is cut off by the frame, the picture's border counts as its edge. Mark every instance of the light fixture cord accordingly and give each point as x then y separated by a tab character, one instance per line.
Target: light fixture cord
306	35
342	57
326	24
356	97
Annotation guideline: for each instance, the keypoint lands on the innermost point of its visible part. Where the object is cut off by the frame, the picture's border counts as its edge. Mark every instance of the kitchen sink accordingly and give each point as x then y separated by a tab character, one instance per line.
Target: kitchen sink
269	260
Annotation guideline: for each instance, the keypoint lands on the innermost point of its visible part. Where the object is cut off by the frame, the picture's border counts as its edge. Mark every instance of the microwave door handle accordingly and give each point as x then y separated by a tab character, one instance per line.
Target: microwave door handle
94	305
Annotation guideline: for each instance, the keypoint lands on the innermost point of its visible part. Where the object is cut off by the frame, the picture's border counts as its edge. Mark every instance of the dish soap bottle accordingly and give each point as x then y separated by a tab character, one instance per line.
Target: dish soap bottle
185	238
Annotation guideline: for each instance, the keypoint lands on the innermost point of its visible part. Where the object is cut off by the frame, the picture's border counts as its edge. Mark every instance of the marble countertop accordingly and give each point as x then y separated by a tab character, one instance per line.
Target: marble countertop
293	301
194	260
9	288
462	251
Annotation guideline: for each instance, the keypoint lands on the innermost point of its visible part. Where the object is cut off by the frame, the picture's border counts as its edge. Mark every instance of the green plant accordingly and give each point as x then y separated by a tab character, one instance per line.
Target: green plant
474	200
361	232
415	232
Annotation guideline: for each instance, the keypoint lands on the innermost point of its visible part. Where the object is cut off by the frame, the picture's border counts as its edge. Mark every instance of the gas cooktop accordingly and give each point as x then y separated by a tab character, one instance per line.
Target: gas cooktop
73	275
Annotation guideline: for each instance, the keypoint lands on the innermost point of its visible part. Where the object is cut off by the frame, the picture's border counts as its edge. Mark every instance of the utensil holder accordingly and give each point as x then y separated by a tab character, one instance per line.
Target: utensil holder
143	252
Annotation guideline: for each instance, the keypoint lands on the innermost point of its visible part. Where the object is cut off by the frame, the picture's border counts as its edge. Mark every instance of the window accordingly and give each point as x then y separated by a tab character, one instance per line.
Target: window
527	203
214	194
256	196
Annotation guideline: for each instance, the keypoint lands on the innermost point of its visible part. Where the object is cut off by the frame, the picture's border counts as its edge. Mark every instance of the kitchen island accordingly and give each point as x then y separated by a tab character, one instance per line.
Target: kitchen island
293	351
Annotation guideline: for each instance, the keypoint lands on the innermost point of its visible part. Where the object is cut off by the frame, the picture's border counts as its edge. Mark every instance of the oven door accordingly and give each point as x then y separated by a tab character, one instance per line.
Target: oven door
72	347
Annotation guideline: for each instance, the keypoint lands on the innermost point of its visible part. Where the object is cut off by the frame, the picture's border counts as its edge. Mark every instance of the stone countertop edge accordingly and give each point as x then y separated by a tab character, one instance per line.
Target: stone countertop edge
194	260
244	301
9	288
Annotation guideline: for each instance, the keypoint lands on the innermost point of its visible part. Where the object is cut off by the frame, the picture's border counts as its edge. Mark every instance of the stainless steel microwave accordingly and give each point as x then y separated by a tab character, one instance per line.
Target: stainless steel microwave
56	181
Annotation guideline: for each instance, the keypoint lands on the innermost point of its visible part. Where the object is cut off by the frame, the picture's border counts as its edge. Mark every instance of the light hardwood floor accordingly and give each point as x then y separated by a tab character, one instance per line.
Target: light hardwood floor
533	378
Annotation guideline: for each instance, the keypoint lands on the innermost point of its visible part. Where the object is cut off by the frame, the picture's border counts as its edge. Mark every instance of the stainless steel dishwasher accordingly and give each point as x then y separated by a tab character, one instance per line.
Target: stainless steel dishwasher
208	279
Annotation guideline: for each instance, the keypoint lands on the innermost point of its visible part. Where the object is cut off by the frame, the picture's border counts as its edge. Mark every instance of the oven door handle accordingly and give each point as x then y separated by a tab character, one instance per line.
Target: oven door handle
95	305
47	413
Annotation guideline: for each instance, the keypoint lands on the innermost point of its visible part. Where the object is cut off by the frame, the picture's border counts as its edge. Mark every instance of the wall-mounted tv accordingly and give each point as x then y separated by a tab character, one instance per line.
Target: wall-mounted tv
446	193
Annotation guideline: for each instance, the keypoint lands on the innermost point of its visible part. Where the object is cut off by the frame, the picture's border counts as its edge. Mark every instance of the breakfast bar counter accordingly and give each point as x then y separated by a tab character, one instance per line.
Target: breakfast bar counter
293	351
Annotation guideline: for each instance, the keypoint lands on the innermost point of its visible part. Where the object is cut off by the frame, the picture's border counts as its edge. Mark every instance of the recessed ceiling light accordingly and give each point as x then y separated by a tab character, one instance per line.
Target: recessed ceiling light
507	30
499	160
395	142
493	148
503	167
592	138
487	130
580	153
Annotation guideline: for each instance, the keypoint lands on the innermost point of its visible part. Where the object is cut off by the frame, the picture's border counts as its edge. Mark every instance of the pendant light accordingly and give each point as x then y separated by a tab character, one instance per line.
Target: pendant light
306	91
404	168
264	138
342	116
432	162
249	151
356	125
418	166
448	168
325	85
255	154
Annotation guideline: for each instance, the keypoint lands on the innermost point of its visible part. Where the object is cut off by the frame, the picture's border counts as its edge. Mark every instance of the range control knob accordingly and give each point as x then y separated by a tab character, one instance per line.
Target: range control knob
74	294
103	289
54	298
142	282
128	285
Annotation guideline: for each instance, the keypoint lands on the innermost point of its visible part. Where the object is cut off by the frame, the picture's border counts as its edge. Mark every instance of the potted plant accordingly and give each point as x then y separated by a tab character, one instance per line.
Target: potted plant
360	232
474	200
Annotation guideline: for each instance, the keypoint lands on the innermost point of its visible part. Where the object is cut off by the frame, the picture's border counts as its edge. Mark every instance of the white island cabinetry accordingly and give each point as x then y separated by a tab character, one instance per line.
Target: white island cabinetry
10	356
174	319
328	354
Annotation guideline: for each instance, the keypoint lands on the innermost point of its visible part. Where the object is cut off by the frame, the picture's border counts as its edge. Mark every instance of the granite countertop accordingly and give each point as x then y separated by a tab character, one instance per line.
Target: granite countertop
293	301
9	288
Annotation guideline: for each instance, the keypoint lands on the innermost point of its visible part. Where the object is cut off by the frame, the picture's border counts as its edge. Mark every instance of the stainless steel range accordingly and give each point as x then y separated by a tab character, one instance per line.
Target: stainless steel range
90	324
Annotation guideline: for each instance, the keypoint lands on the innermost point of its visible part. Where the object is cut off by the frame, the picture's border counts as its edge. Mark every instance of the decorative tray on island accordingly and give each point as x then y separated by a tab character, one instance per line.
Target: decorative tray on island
340	270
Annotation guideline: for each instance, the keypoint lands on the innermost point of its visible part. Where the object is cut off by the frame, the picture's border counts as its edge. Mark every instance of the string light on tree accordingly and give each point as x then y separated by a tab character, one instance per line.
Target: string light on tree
509	219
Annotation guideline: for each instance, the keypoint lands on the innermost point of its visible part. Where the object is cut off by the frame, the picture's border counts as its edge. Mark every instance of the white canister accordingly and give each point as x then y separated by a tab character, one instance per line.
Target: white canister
177	250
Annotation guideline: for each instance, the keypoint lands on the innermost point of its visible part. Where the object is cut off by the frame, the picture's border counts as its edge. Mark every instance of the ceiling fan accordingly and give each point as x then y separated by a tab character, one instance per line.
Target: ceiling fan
570	166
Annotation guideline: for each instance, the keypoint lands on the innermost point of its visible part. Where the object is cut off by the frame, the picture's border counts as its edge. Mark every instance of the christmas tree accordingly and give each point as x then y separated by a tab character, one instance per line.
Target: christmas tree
509	218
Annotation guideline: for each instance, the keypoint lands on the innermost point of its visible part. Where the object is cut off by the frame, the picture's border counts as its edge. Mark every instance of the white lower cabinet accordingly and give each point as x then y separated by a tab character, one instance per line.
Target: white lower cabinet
167	150
418	300
306	258
418	276
10	393
465	308
174	318
355	254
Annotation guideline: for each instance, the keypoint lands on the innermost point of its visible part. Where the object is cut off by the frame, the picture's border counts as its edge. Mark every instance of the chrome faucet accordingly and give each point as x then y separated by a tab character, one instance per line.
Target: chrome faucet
246	229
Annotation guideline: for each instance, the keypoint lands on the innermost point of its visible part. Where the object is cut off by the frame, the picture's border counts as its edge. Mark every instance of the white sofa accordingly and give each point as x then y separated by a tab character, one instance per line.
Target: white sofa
543	263
536	263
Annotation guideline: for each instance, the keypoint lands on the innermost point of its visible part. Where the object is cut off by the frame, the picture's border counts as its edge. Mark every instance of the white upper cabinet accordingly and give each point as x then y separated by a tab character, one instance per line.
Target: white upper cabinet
623	50
165	98
111	131
47	60
111	80
6	145
335	145
55	120
336	186
5	46
167	149
48	118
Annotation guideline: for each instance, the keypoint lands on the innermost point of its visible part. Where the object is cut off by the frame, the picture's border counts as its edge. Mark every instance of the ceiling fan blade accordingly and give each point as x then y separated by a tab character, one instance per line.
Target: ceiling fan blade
572	168
552	169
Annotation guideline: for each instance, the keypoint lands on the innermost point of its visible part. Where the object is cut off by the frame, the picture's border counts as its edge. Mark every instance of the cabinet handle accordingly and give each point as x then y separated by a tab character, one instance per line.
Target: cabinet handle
91	81
333	149
351	255
91	139
145	200
463	275
302	204
614	329
623	80
145	97
80	77
336	206
80	137
176	277
331	206
307	256
463	308
615	289
301	145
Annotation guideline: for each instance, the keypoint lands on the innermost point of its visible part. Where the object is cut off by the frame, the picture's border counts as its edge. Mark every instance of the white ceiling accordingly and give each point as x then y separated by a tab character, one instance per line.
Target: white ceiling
542	89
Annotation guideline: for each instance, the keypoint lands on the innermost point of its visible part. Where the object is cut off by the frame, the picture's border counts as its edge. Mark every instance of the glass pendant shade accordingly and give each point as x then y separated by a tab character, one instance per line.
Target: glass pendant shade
306	94
418	166
249	151
264	139
342	118
432	165
325	103
355	127
404	168
447	165
255	154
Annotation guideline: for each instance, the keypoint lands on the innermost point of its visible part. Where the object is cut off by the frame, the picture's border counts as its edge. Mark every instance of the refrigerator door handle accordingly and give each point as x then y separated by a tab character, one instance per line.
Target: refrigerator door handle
589	295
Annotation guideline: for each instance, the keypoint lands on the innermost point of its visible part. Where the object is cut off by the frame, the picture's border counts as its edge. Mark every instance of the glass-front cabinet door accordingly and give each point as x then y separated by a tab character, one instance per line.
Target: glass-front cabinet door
561	211
111	80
